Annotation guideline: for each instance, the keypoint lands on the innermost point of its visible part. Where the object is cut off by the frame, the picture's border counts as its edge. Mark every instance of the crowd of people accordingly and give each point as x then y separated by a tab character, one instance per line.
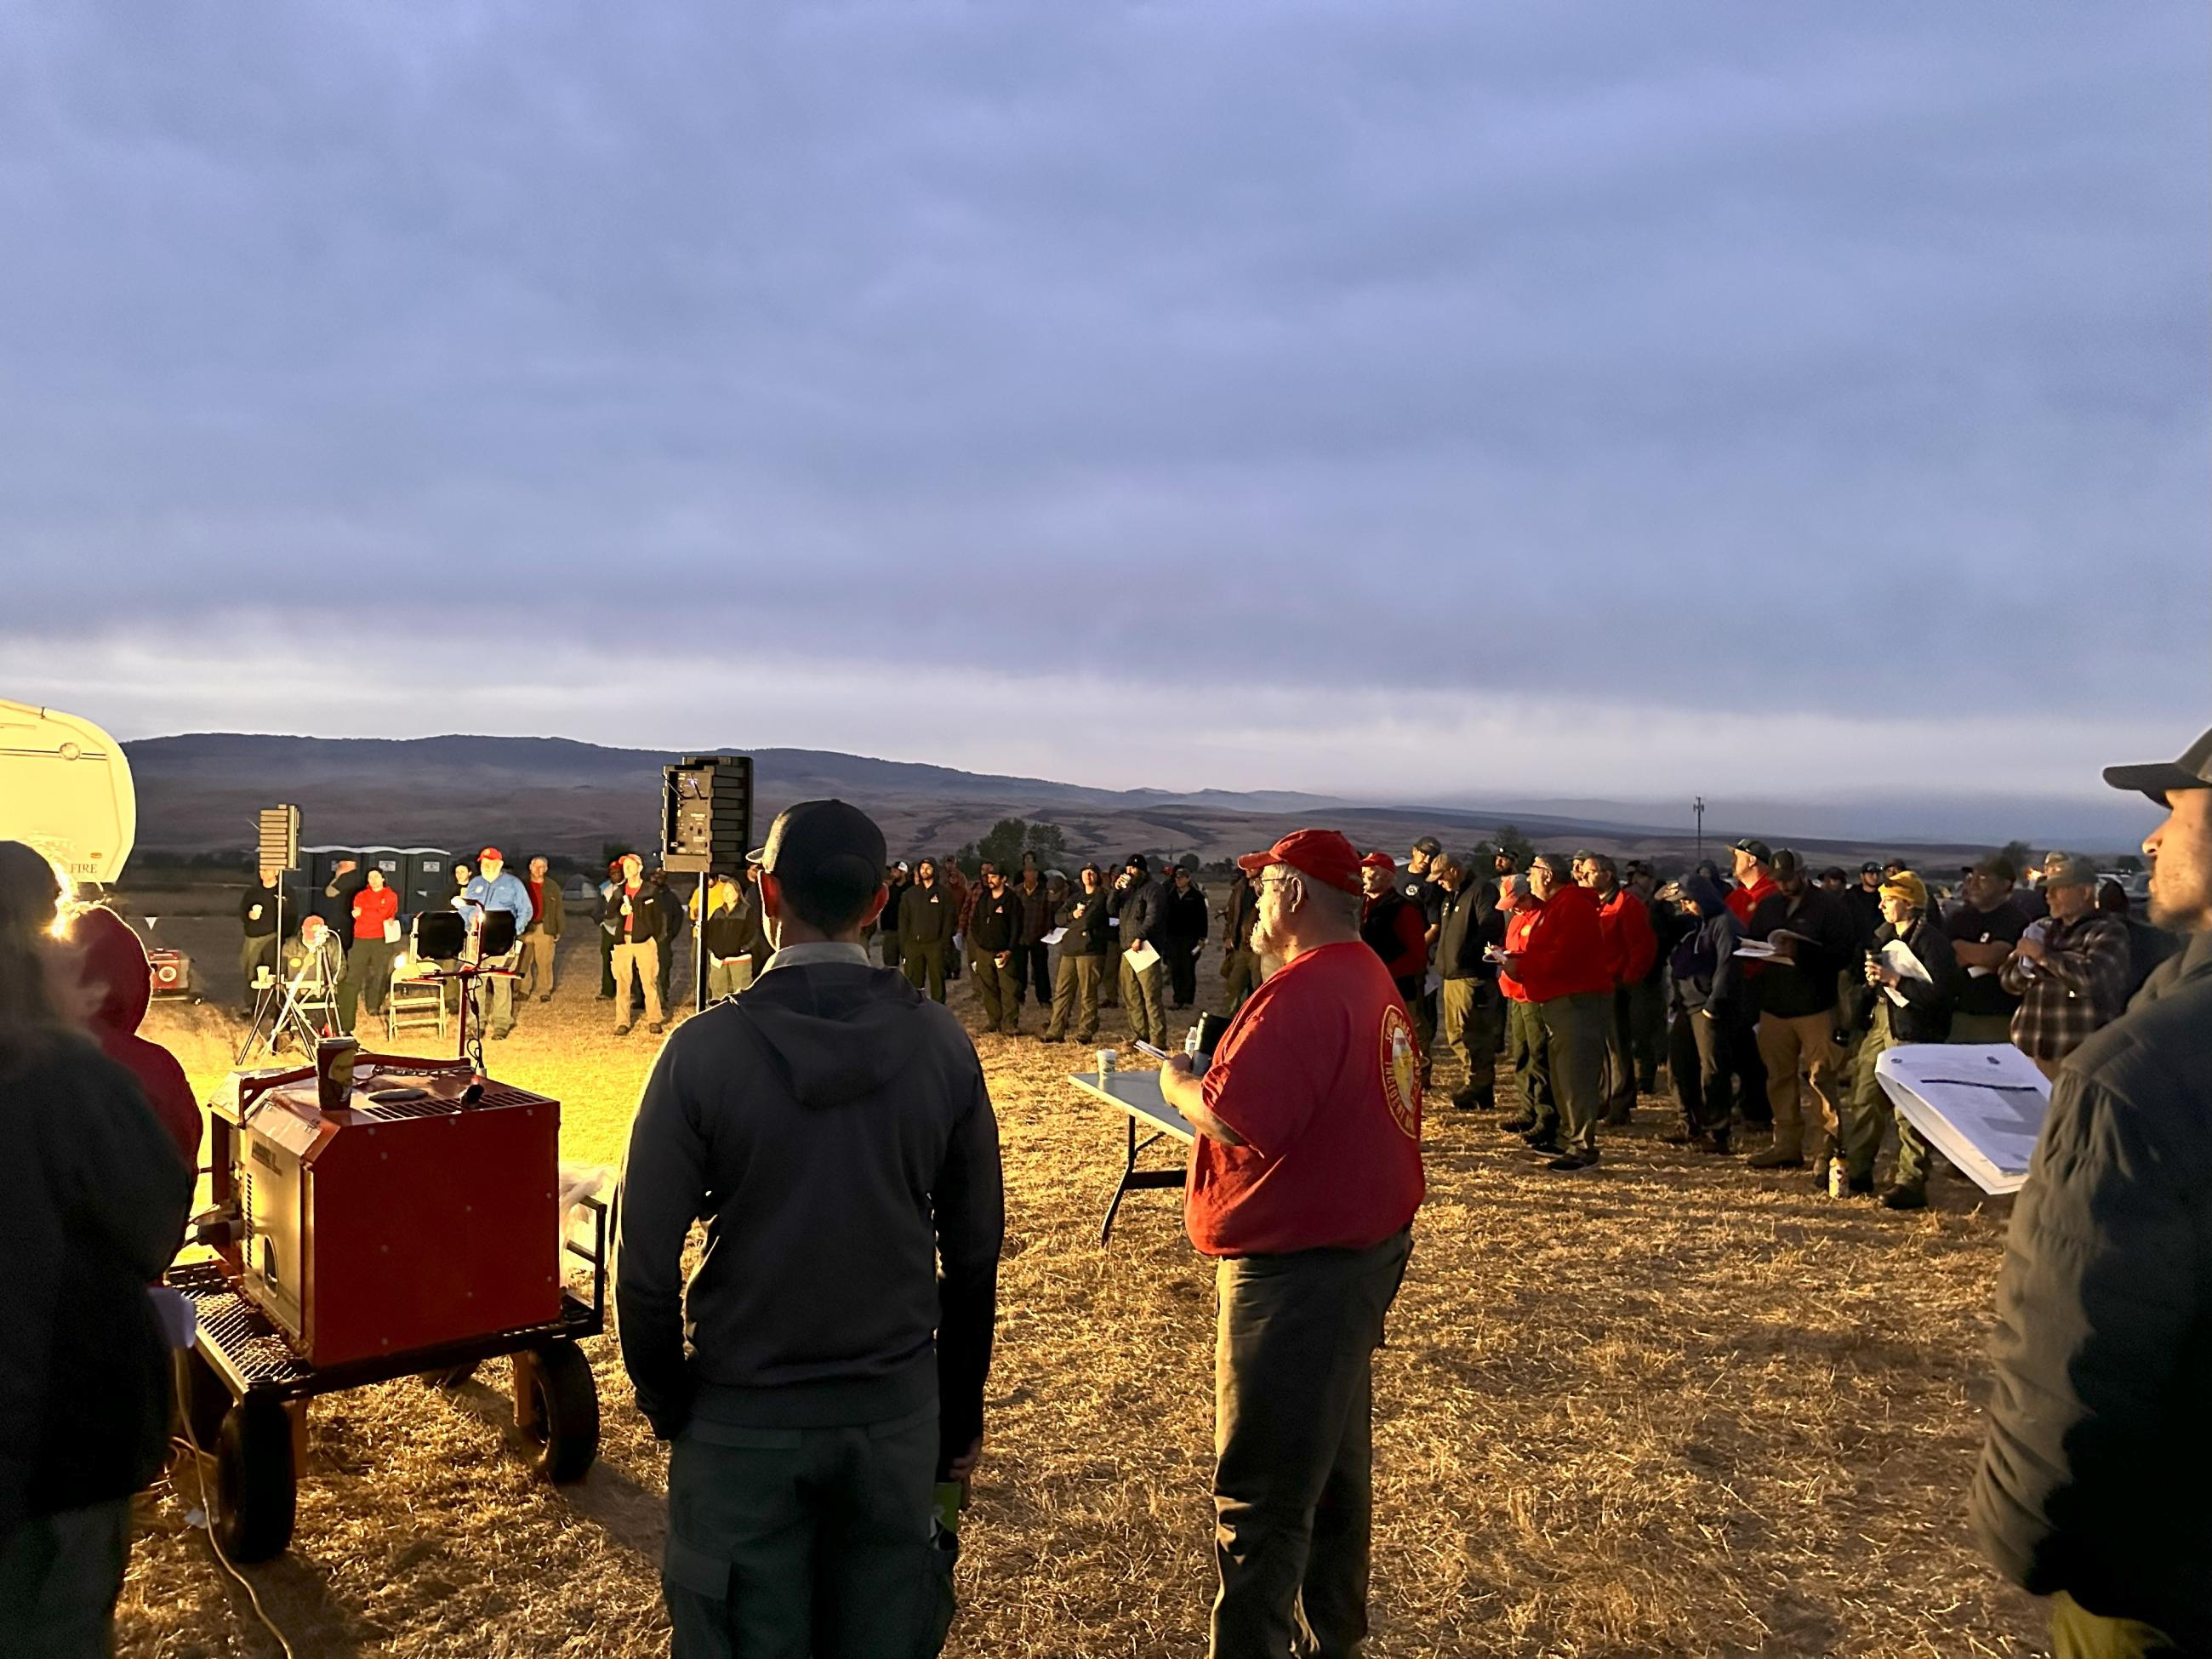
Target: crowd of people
821	1373
1759	997
1766	993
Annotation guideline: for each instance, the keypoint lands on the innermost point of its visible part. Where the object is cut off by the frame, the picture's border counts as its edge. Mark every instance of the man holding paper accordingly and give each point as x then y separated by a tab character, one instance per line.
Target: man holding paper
1304	1179
2092	1486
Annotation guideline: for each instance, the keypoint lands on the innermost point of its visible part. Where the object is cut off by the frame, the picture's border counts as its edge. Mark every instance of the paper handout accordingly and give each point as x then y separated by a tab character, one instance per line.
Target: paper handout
1141	956
1980	1104
1054	937
1898	955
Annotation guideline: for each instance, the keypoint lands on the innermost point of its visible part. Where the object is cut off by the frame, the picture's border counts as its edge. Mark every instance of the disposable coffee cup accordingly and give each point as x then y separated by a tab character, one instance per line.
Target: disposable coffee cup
1107	1060
334	1058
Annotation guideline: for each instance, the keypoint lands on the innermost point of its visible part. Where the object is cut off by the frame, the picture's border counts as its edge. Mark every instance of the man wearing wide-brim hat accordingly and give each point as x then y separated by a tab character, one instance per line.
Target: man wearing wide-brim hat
2093	1483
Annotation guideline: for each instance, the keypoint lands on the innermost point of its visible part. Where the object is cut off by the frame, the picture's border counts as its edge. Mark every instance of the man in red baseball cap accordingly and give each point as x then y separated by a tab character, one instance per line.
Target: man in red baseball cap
1304	1179
495	887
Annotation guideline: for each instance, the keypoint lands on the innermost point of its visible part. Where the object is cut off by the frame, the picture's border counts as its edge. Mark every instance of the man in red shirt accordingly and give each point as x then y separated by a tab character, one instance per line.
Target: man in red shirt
1304	1177
1562	966
1537	1120
1396	928
1630	945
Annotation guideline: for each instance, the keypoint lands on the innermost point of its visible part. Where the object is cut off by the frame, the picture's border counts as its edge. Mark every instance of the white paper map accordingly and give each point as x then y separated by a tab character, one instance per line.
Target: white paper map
1980	1104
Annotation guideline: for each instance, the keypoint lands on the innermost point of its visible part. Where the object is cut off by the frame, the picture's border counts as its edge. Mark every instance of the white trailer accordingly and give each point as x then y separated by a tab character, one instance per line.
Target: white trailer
65	789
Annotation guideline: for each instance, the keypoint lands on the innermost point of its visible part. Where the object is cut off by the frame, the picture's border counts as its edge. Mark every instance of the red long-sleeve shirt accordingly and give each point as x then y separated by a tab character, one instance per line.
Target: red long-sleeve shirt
1566	954
1518	926
1629	944
372	907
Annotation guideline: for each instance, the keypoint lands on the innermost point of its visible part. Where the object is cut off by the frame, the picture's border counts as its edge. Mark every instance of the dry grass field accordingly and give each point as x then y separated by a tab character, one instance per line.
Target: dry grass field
1669	1407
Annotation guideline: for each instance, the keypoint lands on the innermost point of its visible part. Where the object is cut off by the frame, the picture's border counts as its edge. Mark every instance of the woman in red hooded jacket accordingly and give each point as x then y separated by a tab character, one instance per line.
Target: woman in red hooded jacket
116	973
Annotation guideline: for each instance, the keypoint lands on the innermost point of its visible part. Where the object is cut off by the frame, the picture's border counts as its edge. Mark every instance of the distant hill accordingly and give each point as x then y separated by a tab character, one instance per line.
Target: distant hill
565	799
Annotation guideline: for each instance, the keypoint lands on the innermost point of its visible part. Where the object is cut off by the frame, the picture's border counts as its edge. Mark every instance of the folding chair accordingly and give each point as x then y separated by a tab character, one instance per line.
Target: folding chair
414	1000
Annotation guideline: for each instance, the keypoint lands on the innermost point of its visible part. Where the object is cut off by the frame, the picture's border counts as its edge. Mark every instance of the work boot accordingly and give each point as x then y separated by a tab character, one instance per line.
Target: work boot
1575	1157
1541	1140
1905	1198
622	1031
1519	1124
1774	1158
1716	1142
657	1027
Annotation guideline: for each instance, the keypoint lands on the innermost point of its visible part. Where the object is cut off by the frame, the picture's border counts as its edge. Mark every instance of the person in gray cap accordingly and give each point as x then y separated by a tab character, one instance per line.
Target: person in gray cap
823	1366
2091	1488
2069	970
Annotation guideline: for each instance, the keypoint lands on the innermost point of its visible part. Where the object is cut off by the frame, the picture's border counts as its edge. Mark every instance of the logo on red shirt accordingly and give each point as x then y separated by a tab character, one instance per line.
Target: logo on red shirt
1402	1072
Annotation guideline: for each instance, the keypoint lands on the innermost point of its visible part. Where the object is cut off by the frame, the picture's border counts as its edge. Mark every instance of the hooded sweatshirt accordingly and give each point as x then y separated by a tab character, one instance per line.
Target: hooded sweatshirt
1707	975
831	1127
97	1200
114	959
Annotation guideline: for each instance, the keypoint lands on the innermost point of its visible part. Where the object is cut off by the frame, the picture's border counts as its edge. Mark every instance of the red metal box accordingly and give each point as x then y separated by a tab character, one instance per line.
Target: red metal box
386	1226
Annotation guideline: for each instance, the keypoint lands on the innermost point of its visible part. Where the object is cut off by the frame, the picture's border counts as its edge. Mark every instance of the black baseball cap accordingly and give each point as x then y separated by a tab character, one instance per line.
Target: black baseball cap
2159	779
827	857
1870	868
1997	866
1783	863
1430	845
1758	849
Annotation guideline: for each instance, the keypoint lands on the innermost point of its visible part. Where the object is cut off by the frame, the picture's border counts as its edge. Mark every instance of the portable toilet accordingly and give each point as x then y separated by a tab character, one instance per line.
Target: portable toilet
430	878
317	865
392	861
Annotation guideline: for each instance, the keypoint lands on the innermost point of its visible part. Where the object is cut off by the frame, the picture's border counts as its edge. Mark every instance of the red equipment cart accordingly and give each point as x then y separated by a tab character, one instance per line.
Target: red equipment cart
415	1228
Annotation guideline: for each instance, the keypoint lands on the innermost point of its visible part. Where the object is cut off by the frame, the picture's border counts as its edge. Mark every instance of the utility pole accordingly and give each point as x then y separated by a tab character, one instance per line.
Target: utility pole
1699	807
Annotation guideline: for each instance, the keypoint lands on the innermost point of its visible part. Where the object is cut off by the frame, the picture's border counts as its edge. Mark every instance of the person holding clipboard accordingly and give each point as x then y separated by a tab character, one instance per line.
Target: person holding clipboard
1305	1178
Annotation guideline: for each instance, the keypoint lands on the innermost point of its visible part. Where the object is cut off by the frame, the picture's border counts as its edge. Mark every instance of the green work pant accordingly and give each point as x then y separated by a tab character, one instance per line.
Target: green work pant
1574	1041
727	975
1469	1011
1294	1479
1981	1028
59	1576
1075	997
2078	1633
1140	999
998	990
1240	976
1647	1032
925	969
1528	1053
787	1543
1620	1083
367	978
1871	1113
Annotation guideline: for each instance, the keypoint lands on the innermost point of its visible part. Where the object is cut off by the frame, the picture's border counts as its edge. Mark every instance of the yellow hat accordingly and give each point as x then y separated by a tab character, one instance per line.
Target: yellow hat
1908	887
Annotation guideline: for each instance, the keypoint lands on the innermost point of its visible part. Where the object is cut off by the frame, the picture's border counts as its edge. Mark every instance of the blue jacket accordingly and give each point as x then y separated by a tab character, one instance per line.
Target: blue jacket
507	893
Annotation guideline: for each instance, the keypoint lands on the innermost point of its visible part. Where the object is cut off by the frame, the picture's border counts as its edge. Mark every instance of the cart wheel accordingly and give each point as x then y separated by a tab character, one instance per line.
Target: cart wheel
202	1399
562	1412
255	1482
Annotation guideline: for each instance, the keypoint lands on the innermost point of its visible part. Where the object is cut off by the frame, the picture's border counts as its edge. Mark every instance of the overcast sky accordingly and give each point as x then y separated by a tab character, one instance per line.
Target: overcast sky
1386	397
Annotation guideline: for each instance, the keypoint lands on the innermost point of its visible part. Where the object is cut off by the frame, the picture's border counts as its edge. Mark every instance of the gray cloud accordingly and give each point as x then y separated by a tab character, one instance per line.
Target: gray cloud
1655	354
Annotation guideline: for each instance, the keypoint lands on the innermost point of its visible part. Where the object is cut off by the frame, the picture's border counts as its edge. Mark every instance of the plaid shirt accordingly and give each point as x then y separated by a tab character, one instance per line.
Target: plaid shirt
2080	986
